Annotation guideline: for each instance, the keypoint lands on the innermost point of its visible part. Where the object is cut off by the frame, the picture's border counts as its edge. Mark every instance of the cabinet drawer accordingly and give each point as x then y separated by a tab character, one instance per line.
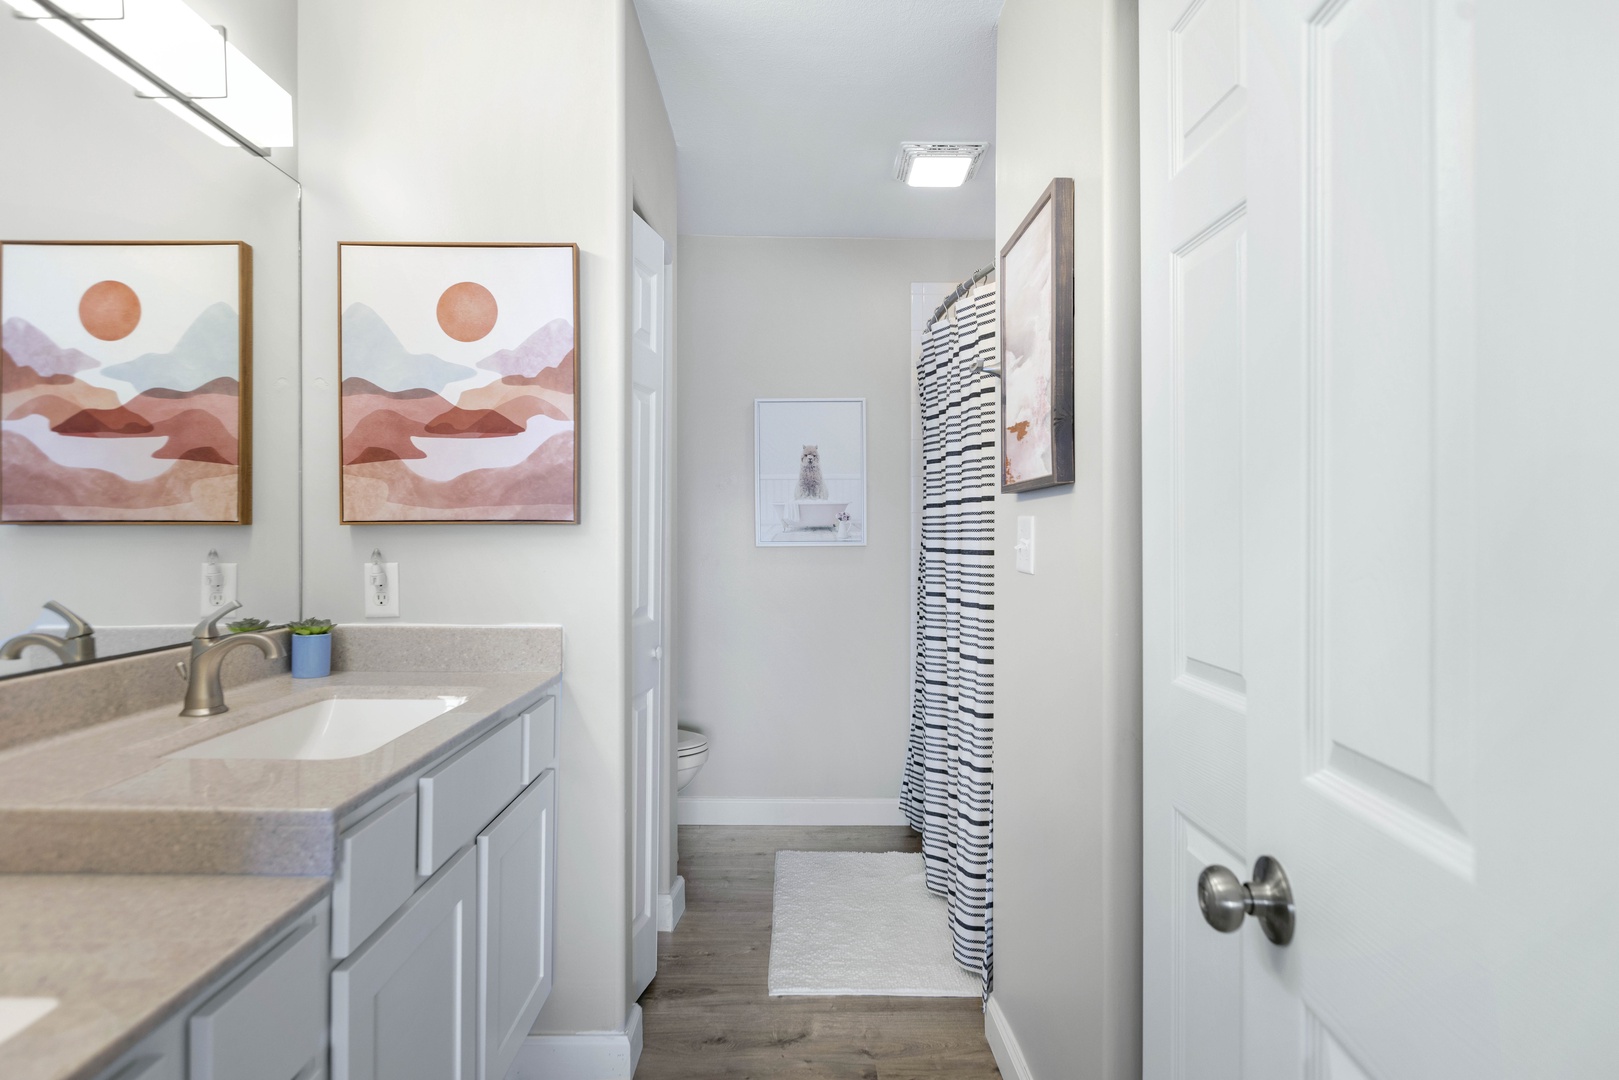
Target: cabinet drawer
270	1022
376	873
464	794
539	739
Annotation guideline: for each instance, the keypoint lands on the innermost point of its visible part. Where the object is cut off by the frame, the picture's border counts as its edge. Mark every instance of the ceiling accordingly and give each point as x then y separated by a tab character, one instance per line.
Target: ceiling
788	114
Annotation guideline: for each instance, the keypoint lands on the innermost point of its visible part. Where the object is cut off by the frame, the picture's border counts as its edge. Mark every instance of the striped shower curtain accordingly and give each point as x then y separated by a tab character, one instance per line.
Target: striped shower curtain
949	764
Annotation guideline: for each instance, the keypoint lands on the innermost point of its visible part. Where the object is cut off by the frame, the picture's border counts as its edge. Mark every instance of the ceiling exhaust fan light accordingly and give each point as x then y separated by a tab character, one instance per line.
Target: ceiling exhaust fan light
938	164
939	171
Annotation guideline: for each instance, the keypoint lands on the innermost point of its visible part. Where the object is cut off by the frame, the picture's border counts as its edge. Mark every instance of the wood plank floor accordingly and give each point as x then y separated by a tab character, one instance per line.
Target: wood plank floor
709	1014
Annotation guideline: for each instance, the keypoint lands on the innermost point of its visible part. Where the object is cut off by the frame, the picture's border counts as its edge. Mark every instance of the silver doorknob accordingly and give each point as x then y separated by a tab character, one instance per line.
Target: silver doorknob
1268	898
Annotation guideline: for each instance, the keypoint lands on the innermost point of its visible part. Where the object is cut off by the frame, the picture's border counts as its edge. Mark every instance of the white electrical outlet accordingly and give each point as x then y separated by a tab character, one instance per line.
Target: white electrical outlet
1025	544
381	590
218	585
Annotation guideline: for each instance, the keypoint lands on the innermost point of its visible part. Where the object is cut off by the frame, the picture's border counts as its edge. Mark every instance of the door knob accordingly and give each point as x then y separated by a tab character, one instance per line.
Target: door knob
1268	898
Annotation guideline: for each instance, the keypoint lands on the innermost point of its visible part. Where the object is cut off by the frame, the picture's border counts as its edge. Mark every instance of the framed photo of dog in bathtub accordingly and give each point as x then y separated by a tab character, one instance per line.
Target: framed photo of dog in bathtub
809	472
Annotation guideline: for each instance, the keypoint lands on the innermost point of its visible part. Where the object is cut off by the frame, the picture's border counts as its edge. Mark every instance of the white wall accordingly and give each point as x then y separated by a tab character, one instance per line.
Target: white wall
497	121
104	165
795	661
1068	669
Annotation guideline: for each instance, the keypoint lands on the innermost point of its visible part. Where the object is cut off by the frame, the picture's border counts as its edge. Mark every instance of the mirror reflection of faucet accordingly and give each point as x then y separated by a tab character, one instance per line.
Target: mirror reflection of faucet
75	645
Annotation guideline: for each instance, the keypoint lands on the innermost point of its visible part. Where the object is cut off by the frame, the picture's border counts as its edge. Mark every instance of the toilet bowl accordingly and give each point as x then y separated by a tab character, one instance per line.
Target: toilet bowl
691	751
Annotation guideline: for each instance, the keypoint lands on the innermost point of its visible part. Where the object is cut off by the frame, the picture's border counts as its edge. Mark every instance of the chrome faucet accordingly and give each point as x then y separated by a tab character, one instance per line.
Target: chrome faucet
204	694
74	647
207	632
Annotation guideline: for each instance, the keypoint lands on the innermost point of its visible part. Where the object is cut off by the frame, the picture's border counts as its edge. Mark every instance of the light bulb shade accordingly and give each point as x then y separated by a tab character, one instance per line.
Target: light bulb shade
939	171
938	164
256	106
178	46
172	42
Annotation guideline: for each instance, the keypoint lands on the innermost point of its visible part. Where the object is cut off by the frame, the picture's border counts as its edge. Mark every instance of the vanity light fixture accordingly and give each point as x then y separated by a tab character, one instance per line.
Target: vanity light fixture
938	164
169	53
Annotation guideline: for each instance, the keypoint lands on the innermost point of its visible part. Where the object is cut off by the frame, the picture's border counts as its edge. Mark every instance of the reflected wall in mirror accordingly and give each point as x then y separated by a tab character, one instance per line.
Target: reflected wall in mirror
94	162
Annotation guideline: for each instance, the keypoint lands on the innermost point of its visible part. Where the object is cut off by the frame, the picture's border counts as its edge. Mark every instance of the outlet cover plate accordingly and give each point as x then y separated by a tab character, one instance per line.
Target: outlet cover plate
388	608
226	592
1025	544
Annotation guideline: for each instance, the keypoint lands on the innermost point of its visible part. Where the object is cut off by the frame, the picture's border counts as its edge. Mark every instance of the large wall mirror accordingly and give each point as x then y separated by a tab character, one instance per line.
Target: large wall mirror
149	284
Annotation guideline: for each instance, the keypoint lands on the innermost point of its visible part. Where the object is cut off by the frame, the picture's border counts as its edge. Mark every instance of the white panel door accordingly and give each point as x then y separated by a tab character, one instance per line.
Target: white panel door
1402	317
403	1004
516	923
1364	752
649	349
1195	693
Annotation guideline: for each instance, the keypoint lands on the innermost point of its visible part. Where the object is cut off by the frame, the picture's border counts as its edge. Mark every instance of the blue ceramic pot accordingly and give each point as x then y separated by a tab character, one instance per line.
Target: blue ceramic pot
311	656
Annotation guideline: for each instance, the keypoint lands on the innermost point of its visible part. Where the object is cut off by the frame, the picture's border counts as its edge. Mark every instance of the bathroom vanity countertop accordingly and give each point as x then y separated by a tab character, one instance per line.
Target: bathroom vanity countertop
122	953
107	799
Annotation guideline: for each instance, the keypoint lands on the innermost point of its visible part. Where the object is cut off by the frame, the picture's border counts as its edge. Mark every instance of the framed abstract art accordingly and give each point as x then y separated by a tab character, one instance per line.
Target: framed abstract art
460	382
1037	345
125	382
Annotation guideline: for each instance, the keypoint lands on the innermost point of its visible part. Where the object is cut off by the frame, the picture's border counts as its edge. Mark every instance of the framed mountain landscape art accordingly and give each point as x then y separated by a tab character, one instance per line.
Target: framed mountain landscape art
460	397
125	380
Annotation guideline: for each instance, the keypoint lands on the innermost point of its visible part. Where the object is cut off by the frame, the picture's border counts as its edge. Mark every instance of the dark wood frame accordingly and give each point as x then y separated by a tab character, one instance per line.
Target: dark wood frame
1060	194
578	395
244	382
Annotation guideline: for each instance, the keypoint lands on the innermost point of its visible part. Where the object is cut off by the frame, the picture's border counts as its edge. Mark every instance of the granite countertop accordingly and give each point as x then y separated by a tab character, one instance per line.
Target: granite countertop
122	953
129	880
107	799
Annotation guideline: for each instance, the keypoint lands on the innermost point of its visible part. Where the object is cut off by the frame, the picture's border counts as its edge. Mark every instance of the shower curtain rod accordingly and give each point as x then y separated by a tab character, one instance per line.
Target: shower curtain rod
961	290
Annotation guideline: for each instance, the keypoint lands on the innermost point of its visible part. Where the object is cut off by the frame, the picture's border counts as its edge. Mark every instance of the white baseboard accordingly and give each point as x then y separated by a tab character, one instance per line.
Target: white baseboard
1003	1043
588	1055
672	905
737	811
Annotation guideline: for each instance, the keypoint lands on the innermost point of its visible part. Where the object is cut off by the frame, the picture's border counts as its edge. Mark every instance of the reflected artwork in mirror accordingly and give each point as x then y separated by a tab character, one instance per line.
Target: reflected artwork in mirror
126	387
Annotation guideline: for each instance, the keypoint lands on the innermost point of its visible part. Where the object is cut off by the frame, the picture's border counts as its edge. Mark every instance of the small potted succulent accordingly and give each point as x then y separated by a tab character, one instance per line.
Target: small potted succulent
311	648
248	626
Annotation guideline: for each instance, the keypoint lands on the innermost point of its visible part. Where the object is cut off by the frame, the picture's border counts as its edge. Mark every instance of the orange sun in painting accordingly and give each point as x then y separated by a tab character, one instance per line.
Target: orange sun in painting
110	310
467	311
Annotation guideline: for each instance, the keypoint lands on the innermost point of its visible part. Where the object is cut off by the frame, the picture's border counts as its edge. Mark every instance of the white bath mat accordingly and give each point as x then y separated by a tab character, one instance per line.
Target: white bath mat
860	923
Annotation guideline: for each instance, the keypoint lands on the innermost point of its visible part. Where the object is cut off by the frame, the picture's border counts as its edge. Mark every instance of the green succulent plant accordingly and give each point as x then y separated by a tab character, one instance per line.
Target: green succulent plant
246	626
311	626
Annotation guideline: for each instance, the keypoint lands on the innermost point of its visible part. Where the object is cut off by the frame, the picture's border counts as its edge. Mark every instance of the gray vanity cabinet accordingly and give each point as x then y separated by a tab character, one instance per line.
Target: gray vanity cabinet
270	1022
402	1004
516	917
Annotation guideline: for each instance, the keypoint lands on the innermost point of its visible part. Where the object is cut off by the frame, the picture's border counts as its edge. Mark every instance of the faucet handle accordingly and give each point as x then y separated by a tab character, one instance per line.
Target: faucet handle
76	627
208	628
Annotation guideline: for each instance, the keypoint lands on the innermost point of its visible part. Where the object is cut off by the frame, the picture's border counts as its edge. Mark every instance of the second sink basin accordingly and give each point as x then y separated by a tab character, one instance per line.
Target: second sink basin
17	1013
325	730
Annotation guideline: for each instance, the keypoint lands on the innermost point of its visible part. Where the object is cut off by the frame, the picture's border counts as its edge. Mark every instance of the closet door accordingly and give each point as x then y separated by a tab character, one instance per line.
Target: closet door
1194	308
402	1005
516	920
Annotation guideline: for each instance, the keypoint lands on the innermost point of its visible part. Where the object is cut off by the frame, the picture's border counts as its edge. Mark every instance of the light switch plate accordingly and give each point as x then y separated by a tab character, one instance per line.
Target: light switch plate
1025	544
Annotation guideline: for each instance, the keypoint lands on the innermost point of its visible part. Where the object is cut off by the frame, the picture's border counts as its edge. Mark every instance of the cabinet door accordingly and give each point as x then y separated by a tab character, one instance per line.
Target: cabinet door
516	916
269	1023
402	1005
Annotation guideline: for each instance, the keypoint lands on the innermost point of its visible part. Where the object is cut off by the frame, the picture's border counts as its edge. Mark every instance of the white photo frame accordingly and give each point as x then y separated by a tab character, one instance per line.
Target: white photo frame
809	472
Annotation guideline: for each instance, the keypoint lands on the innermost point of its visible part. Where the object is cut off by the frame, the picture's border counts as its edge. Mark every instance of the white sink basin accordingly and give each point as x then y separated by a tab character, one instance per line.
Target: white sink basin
17	1013
325	730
